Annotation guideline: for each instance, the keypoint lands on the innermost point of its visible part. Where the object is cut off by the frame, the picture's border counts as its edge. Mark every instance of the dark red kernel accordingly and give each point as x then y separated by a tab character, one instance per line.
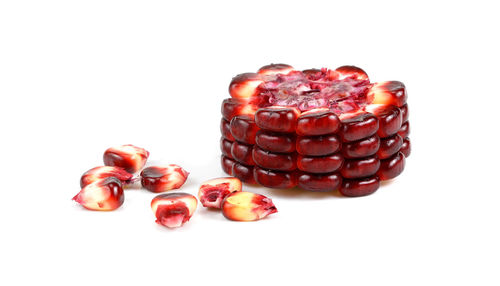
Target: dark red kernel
319	183
359	187
359	168
389	146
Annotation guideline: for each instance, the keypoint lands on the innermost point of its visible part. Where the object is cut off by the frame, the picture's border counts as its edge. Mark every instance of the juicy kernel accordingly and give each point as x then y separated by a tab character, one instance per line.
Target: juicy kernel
243	172
227	164
245	85
389	117
101	172
246	206
102	195
212	192
174	209
277	118
161	179
351	72
388	92
129	157
357	126
274	179
359	187
317	121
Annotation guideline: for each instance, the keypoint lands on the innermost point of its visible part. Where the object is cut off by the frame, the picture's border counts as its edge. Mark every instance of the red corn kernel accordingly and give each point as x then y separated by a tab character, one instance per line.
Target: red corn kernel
275	179
358	125
243	172
406	147
246	206
391	167
320	182
212	192
322	164
273	69
225	147
160	179
359	187
388	92
102	195
389	146
129	157
318	121
351	72
275	142
389	117
237	106
318	145
227	164
274	161
360	168
173	209
99	173
277	118
405	130
405	112
225	129
243	128
242	153
361	148
245	85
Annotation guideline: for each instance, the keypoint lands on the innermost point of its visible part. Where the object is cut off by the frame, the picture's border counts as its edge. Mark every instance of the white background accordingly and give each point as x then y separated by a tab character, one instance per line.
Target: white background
77	77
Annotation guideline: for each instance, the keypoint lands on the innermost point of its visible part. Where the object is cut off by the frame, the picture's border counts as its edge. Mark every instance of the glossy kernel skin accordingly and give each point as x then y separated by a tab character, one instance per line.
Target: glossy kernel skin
406	147
351	71
227	164
361	148
173	210
388	92
358	127
245	85
102	172
281	119
317	122
389	117
359	187
391	167
389	146
275	142
318	145
101	195
159	179
225	129
244	129
275	179
320	165
319	182
405	130
242	153
246	206
244	173
405	112
129	157
232	107
225	147
359	168
274	161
